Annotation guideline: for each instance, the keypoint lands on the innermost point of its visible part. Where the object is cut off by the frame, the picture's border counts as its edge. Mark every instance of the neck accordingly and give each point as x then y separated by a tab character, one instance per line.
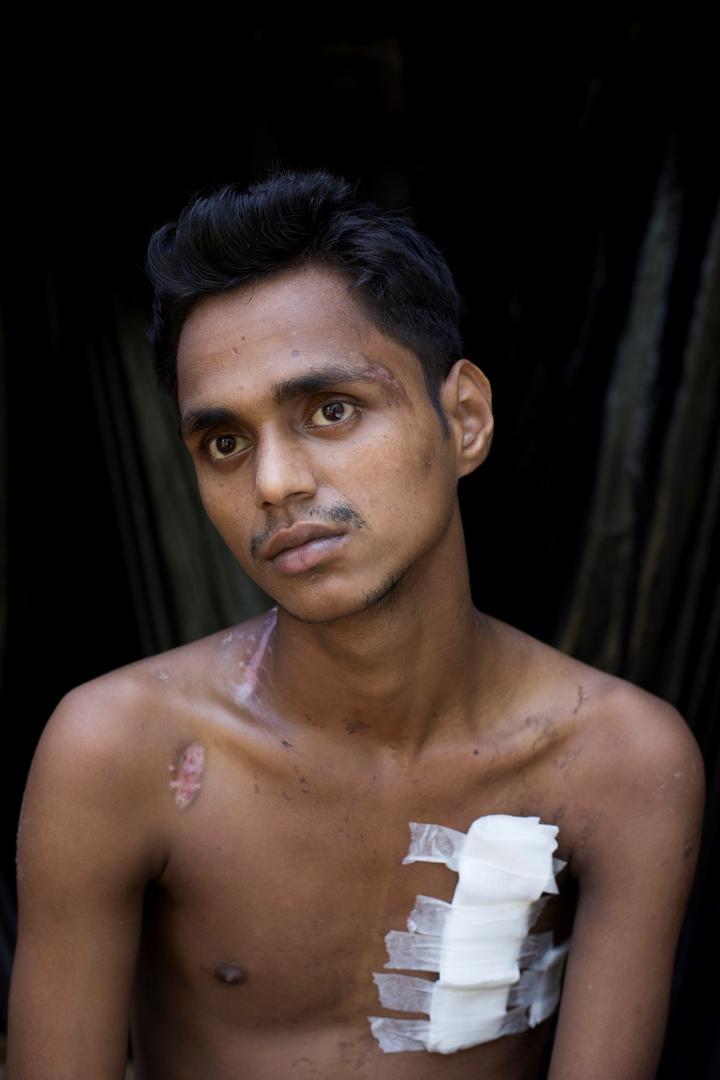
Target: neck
402	670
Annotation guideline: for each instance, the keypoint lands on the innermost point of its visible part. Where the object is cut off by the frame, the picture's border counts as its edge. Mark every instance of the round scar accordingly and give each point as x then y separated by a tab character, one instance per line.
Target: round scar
188	772
231	973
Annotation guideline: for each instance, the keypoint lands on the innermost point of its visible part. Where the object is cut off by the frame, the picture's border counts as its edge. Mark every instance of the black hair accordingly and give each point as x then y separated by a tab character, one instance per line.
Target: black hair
233	236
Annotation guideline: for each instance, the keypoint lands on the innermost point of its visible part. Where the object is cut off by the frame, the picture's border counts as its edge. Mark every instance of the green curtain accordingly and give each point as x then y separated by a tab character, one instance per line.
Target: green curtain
185	582
636	602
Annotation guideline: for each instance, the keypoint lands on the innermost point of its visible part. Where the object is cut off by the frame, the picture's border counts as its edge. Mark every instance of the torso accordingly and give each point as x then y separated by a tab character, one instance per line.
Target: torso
284	872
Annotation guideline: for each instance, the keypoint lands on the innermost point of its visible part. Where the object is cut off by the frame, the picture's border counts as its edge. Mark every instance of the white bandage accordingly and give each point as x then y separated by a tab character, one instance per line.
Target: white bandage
495	978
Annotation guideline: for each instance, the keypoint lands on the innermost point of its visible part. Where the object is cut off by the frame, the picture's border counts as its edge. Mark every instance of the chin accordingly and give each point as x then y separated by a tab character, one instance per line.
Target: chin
315	604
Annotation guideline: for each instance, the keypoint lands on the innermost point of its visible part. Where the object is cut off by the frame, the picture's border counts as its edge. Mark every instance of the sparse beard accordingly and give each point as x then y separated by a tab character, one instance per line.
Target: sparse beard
379	599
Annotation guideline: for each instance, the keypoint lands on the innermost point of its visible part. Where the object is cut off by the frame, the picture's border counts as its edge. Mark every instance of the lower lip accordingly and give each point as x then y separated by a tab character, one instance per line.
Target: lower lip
305	556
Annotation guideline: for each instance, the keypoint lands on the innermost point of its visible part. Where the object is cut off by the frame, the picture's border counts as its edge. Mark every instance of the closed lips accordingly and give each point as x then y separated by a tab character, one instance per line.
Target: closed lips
298	534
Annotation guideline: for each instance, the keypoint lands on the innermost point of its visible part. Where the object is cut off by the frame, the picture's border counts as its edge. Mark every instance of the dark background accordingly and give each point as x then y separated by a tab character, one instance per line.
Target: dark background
567	170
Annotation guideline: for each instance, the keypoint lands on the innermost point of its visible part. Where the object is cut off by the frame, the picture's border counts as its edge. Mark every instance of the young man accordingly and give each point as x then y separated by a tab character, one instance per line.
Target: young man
368	832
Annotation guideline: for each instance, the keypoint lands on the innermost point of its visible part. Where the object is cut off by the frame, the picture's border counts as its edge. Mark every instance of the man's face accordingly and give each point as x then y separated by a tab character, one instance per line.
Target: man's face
360	451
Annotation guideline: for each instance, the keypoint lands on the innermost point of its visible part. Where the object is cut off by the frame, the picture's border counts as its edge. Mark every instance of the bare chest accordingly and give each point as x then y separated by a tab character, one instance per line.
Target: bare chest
284	883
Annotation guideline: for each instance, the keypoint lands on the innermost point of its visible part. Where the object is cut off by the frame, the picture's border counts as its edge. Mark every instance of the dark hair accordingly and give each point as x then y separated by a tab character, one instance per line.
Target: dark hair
233	236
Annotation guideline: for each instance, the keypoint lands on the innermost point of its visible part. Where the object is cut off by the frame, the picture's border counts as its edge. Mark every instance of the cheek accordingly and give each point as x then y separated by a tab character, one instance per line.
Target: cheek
221	505
415	476
214	497
404	453
421	463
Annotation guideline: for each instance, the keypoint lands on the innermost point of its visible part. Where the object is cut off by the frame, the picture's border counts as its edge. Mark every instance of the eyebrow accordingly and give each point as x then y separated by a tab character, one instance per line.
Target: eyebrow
202	417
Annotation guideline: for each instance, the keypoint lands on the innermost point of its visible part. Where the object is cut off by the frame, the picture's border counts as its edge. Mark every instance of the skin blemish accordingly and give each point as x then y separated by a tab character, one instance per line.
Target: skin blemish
351	726
253	666
542	726
662	794
582	697
188	771
563	761
312	722
231	974
245	690
302	781
295	352
382	375
286	744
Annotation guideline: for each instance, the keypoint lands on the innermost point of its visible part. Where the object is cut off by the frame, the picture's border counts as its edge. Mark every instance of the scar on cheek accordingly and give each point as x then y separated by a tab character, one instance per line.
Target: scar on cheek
188	771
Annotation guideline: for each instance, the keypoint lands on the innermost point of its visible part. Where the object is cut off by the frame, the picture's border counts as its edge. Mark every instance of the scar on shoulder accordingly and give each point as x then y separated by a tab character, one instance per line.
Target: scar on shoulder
187	774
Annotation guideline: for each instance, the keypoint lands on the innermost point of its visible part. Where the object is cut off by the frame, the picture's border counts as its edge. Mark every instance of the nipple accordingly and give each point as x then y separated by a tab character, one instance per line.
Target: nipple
231	974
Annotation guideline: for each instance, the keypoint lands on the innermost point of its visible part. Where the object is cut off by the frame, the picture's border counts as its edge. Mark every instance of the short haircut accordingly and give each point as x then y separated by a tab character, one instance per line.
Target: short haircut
233	236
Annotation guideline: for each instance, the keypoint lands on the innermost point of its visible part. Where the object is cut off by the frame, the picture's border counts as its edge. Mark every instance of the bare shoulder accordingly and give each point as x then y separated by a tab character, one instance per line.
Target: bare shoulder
644	772
113	727
125	706
637	769
635	798
97	823
629	727
622	758
623	724
90	779
131	722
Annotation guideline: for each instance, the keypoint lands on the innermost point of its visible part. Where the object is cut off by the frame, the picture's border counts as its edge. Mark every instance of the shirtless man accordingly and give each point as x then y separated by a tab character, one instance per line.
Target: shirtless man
212	839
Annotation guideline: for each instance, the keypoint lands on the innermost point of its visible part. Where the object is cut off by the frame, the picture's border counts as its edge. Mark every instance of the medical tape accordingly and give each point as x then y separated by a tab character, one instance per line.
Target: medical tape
495	978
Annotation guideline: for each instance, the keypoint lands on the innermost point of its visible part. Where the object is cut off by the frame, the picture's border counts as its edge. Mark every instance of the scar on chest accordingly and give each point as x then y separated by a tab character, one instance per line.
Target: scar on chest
231	974
186	774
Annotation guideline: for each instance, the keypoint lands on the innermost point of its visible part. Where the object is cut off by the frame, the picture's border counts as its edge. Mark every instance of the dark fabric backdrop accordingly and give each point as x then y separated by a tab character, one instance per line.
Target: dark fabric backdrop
567	171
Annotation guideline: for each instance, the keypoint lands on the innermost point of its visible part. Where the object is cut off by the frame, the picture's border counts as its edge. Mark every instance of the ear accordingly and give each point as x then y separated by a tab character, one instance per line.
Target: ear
466	397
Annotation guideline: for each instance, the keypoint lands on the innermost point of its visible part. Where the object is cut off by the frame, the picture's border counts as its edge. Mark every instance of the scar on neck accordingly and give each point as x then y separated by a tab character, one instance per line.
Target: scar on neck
188	771
232	974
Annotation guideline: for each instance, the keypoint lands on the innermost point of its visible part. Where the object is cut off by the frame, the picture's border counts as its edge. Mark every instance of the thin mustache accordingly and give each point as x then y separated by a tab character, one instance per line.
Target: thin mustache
336	514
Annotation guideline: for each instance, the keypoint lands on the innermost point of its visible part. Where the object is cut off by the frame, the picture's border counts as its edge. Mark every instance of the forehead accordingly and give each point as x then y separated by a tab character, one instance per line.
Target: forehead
273	328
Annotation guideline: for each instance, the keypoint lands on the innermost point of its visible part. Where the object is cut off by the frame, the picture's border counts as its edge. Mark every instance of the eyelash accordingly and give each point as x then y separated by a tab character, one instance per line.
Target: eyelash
208	439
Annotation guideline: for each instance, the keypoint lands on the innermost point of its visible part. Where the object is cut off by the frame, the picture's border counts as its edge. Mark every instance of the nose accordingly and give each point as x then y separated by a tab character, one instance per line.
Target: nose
283	471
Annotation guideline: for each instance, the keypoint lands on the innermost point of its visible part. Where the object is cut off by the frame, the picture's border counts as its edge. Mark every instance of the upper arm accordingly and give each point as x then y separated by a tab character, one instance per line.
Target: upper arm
644	802
84	855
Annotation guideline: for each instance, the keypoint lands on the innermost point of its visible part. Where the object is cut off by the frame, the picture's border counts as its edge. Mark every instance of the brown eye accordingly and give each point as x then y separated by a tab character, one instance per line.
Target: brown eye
222	447
332	412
